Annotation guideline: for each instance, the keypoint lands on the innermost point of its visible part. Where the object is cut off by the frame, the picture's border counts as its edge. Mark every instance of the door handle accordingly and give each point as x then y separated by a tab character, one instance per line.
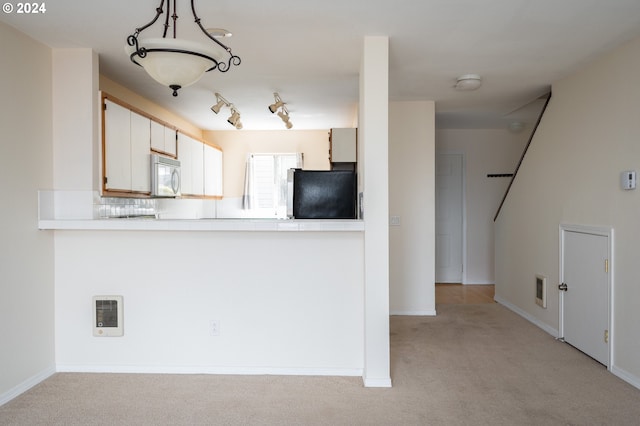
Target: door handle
563	287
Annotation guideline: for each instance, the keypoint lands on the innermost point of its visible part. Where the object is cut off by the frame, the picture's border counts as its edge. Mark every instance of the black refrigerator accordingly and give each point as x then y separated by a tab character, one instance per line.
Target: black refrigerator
322	194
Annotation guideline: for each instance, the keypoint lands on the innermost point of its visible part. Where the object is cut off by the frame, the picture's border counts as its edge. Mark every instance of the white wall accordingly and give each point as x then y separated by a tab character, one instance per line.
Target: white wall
571	174
485	151
411	198
26	254
286	303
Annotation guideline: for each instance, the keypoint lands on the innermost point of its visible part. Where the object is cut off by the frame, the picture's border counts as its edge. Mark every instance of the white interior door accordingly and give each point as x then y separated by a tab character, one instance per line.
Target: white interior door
585	302
449	213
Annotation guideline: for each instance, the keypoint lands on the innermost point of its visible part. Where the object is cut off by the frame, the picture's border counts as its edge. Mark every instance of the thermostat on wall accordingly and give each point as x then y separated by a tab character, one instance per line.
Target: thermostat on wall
108	316
628	179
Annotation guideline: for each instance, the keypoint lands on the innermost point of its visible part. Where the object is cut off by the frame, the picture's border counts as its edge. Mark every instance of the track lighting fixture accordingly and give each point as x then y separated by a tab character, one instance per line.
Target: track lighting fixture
284	113
234	119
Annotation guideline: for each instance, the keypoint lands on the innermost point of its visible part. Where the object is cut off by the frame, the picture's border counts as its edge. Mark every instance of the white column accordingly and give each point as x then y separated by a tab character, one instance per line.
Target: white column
75	119
373	139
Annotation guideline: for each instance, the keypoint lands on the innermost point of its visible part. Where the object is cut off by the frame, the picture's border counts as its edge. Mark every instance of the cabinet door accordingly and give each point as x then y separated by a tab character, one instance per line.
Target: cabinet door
197	164
170	141
343	145
140	149
186	164
117	135
157	136
163	139
212	171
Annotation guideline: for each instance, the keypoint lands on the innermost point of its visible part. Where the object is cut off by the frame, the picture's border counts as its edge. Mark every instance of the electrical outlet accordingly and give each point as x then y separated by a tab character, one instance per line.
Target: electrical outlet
215	327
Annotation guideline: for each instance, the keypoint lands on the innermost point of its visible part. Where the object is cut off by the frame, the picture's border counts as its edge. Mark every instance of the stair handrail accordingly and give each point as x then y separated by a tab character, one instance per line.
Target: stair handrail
515	173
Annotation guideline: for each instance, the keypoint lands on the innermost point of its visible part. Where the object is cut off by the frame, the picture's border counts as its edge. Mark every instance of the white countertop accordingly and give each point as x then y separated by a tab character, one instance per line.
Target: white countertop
134	224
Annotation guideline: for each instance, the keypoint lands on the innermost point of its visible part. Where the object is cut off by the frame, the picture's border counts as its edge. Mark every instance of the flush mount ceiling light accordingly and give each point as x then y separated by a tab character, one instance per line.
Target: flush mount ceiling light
283	113
468	82
175	62
234	119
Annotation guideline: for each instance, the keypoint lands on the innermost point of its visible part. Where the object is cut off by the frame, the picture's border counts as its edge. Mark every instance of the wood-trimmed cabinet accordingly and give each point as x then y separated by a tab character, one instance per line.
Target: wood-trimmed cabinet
129	136
127	143
201	167
163	139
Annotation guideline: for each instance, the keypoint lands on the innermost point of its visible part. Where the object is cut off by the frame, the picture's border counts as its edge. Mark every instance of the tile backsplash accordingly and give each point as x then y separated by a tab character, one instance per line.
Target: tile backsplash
111	207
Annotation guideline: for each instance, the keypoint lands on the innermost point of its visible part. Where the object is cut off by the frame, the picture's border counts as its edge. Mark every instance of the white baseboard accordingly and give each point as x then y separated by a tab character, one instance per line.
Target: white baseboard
552	331
173	369
377	382
626	376
26	385
415	313
479	283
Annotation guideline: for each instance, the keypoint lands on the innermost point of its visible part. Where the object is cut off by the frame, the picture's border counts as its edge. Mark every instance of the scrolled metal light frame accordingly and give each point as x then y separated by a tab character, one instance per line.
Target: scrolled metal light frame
141	51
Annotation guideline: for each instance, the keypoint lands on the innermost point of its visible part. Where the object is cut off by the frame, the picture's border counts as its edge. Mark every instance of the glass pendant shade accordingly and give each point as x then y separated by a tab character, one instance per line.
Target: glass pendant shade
175	63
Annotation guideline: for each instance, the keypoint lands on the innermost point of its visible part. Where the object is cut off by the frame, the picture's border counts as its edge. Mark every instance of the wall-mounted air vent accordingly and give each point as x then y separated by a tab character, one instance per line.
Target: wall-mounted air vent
108	316
541	291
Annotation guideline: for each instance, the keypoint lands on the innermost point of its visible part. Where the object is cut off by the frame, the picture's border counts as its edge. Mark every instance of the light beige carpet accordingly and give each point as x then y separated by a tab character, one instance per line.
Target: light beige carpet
470	365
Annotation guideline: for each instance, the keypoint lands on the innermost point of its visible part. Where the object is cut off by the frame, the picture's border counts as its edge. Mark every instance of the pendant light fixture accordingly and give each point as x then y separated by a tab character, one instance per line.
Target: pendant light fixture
174	62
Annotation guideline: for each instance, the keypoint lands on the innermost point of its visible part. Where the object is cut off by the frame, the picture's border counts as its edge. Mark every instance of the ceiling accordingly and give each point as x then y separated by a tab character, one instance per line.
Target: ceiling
309	52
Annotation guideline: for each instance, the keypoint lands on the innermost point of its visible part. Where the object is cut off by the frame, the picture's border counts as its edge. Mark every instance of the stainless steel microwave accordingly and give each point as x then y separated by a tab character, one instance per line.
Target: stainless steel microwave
165	176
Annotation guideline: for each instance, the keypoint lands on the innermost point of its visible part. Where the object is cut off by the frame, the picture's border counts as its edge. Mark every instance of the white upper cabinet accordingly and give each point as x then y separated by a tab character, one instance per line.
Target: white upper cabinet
343	145
117	147
163	138
212	171
186	167
190	154
197	161
127	143
140	149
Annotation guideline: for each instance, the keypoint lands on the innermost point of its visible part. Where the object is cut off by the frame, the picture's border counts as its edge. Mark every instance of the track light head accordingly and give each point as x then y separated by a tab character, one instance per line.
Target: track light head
218	106
284	115
277	104
274	107
234	119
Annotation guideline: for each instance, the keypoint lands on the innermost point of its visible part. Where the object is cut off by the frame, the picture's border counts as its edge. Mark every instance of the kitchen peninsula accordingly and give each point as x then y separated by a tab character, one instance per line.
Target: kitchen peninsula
285	295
